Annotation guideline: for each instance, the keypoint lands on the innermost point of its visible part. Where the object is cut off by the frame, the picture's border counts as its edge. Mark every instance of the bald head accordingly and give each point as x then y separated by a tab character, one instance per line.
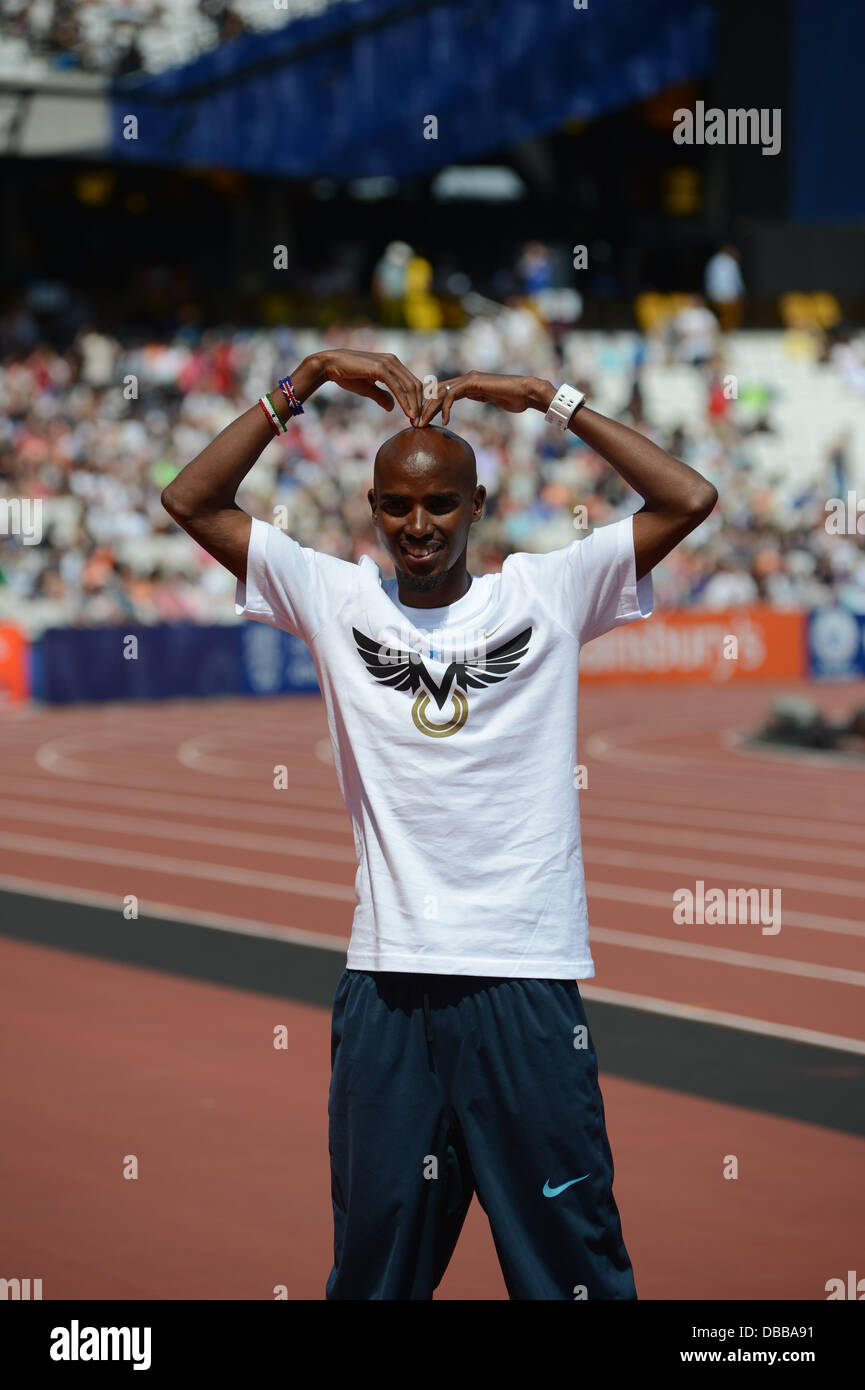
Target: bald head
432	450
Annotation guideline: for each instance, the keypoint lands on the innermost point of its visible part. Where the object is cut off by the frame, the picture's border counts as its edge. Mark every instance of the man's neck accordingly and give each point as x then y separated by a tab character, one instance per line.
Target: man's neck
456	585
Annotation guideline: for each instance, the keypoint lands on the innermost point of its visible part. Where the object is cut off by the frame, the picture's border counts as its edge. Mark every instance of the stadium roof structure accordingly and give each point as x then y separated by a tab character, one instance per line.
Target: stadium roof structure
350	92
44	113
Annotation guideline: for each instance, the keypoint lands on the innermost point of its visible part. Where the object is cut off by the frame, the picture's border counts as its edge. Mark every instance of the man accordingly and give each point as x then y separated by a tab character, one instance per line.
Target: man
461	1056
696	332
725	288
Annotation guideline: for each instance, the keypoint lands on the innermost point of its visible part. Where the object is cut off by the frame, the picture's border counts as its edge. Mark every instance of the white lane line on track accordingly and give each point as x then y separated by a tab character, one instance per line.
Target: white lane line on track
614	745
127	791
221	873
53	760
61	756
186	803
181	868
656	811
601	829
190	754
725	1020
648	897
243	926
724	955
742	875
684	813
57	765
174	830
736	740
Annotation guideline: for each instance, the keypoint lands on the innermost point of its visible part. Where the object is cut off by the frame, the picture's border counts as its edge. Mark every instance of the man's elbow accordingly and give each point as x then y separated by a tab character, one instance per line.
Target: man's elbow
702	503
174	504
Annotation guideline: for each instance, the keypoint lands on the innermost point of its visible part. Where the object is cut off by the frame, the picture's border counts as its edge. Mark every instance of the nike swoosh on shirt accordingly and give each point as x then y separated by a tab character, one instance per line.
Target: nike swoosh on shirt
495	629
554	1191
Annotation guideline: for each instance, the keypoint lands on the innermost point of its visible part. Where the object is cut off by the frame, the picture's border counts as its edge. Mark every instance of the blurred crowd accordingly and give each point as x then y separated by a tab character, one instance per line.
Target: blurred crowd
114	37
99	36
95	432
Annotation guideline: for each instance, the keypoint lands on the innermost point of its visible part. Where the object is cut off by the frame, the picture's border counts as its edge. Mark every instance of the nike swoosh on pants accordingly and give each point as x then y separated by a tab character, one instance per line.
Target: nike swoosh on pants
554	1191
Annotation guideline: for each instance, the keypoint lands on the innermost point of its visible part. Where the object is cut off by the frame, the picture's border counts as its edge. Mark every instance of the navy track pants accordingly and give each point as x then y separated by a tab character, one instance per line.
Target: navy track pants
446	1085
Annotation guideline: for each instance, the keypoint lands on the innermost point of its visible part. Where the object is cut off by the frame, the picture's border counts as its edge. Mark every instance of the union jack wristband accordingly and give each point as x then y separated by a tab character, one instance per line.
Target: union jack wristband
294	404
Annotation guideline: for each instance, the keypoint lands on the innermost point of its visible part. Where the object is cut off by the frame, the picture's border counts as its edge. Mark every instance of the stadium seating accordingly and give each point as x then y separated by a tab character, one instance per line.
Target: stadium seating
167	33
111	553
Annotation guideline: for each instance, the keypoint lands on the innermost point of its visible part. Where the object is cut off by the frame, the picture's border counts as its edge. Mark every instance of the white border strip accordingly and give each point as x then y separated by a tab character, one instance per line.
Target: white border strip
700	1015
244	926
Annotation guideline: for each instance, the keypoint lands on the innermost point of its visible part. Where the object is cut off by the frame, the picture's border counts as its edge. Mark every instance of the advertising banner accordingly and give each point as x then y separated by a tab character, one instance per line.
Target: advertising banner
14	666
836	644
153	663
730	645
256	659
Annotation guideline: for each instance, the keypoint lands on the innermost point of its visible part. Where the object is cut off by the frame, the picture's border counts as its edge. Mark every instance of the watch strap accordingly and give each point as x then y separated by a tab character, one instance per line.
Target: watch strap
565	402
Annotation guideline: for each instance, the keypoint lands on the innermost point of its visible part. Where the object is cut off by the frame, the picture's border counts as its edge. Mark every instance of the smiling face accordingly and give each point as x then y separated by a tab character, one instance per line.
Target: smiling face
425	497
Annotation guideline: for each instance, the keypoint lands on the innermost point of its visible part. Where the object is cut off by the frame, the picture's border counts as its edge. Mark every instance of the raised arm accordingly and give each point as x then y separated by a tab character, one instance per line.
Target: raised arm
676	498
201	497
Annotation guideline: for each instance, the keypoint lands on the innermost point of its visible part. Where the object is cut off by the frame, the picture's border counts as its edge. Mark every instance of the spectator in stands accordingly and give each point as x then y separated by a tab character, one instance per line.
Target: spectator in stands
229	24
724	287
729	587
98	357
848	355
695	332
535	268
838	466
389	282
718	397
635	410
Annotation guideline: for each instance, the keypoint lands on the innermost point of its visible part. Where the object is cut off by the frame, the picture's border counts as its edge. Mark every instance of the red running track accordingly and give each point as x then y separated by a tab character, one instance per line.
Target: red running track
175	803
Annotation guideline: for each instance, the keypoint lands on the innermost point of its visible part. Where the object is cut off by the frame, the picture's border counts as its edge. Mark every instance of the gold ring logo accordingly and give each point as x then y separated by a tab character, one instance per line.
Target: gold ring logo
426	726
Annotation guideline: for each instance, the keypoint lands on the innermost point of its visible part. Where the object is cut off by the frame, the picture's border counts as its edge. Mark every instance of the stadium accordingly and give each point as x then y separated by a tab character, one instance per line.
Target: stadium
197	198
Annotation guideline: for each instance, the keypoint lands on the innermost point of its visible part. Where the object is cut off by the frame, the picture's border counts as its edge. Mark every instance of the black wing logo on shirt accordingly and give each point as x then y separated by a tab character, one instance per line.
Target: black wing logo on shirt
405	670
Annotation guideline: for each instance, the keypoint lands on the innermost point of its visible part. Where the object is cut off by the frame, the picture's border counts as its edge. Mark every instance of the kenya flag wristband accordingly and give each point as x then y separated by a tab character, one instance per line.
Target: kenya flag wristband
270	411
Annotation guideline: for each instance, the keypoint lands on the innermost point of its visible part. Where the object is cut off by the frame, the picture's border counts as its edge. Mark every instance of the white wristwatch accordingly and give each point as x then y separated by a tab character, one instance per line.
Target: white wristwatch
565	402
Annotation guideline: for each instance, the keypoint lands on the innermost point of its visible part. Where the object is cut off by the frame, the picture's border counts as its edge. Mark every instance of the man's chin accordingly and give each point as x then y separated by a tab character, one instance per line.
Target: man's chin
420	583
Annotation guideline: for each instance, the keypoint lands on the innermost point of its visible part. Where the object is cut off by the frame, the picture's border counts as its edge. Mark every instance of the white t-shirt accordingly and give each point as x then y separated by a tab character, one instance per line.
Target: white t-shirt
454	735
